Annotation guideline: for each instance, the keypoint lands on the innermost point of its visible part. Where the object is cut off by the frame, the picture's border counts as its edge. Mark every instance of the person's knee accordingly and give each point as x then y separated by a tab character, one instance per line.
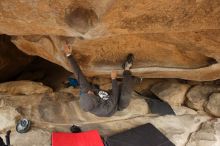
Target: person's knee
86	107
124	104
87	103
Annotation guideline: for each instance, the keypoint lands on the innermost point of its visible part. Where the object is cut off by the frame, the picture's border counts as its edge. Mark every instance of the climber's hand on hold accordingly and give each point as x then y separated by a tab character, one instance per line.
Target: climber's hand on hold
91	92
113	74
67	50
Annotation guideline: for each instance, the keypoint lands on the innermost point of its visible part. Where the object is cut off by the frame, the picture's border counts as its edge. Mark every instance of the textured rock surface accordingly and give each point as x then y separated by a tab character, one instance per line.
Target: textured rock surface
170	39
58	111
8	118
207	135
187	59
35	137
198	95
63	108
115	16
171	92
24	87
182	110
176	128
213	105
186	31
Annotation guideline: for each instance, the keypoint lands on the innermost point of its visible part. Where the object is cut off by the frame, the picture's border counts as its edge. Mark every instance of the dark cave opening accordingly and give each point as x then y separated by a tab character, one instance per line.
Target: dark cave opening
16	65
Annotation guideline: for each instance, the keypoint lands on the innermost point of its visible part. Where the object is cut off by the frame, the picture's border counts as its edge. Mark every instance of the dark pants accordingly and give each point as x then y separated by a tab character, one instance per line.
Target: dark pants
84	85
123	97
126	90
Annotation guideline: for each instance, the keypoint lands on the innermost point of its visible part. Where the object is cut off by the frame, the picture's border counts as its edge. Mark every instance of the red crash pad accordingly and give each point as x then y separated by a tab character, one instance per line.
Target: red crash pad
89	138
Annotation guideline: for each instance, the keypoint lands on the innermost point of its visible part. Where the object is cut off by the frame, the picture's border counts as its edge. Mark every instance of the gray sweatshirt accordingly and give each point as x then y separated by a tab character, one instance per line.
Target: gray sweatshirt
93	103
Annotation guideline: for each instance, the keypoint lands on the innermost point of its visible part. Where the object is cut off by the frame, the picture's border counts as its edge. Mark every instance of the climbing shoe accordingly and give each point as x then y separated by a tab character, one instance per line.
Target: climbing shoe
128	62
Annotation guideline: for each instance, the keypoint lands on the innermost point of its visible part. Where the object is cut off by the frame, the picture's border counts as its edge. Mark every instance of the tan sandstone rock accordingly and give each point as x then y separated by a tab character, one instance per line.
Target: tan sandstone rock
34	137
182	110
170	39
198	95
24	87
213	105
100	56
58	111
176	128
171	92
207	135
8	117
62	108
114	16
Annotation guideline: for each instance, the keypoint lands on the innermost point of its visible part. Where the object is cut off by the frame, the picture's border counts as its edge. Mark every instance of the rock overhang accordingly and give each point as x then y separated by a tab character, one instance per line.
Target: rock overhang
170	39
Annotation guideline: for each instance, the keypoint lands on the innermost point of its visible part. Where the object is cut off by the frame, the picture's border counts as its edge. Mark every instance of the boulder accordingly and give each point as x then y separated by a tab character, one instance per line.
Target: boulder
144	85
182	110
171	92
63	108
213	105
175	128
114	17
34	137
207	135
198	95
8	117
182	39
24	87
192	65
58	111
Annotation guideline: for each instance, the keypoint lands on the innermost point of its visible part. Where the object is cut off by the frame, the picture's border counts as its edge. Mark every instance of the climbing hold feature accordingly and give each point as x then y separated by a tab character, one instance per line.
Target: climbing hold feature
81	19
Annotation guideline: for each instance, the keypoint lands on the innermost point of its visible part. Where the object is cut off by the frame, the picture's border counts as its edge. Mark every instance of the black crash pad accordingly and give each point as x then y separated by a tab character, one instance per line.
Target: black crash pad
145	135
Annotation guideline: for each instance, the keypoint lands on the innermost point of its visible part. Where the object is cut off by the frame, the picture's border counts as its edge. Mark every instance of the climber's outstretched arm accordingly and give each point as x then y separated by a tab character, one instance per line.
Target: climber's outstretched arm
85	86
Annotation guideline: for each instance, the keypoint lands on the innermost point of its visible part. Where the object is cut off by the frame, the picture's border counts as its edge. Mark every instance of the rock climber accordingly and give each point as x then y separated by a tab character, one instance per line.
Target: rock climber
100	102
